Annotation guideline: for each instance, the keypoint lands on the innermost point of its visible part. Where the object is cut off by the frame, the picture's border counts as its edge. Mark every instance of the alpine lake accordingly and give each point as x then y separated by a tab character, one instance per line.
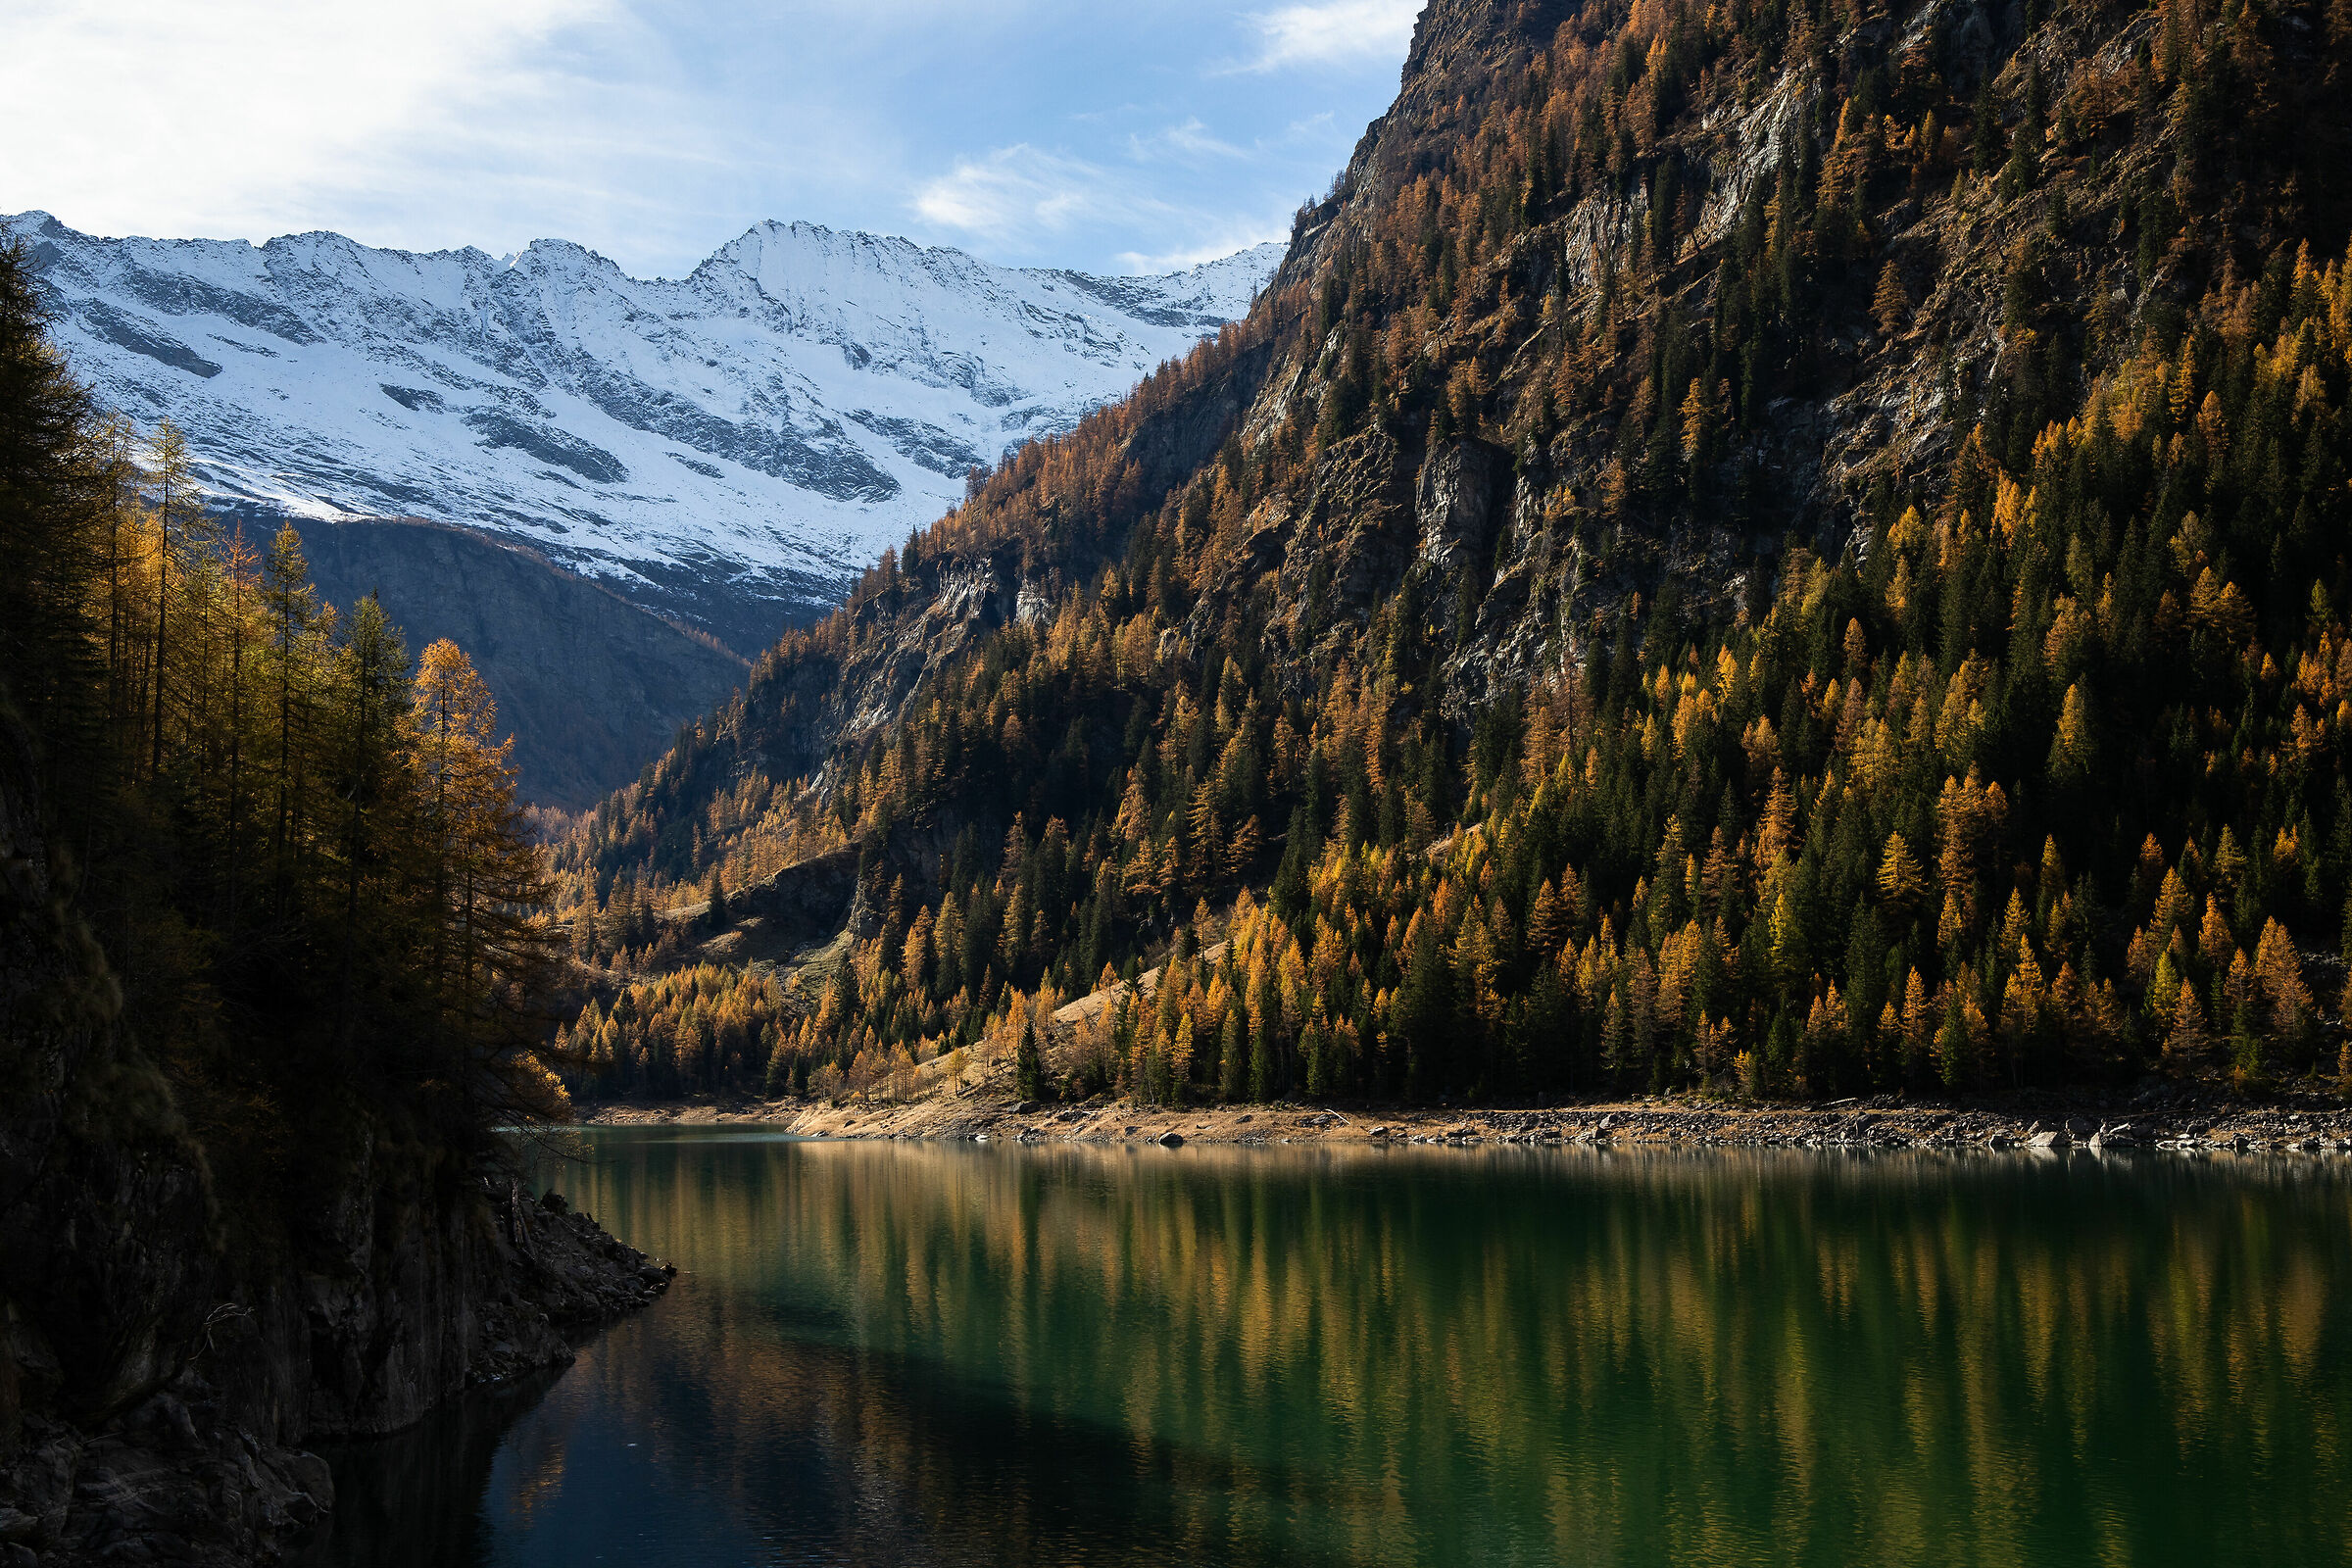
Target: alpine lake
961	1354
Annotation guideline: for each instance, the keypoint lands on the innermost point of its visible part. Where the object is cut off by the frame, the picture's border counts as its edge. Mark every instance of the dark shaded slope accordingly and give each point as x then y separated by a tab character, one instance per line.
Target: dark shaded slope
593	686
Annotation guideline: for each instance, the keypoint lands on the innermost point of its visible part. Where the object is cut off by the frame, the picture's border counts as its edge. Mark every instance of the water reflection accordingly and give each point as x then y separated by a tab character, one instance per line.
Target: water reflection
895	1354
415	1496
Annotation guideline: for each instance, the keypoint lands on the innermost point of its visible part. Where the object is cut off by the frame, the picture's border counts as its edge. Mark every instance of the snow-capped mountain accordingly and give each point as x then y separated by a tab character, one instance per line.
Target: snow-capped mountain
728	446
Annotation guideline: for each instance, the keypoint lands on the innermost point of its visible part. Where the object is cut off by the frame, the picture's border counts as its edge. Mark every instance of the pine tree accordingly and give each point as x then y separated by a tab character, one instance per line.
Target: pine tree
2024	171
1547	922
1262	1061
48	494
2282	986
366	775
1984	131
1775	832
177	517
1901	881
1028	1072
1232	1062
1891	304
1952	1054
292	607
2189	1038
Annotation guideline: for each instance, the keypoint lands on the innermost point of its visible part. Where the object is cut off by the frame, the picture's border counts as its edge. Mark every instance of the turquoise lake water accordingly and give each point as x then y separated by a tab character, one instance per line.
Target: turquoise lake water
914	1353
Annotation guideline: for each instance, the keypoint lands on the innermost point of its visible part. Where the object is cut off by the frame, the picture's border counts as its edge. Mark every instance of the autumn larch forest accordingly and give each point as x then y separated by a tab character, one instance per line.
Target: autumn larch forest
1660	605
319	908
1782	549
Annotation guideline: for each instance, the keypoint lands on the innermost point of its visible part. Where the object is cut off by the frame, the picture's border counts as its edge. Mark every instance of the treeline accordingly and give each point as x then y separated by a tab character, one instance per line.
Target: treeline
2041	778
302	859
704	1027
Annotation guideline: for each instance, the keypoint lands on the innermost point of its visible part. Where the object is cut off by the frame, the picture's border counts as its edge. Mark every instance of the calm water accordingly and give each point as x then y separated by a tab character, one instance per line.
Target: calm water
902	1353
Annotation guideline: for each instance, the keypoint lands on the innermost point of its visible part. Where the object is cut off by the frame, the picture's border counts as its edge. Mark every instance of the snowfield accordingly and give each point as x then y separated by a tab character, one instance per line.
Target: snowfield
752	433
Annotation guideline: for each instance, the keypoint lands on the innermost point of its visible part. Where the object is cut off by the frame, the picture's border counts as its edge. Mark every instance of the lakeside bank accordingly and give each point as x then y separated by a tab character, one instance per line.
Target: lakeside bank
2168	1118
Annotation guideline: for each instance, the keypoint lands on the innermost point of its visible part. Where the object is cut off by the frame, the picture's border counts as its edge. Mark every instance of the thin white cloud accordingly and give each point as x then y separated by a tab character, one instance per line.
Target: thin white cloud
1191	142
163	110
1332	33
1018	199
1021	196
432	123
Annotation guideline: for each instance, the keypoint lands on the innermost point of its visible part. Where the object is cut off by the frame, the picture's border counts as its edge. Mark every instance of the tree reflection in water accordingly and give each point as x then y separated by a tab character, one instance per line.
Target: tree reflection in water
908	1353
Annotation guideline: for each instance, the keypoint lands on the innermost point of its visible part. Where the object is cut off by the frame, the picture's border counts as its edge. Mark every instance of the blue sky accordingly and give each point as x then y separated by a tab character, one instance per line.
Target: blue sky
1112	135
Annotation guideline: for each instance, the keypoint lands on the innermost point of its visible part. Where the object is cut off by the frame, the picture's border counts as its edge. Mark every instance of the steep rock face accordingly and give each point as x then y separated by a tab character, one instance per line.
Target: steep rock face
160	1362
592	686
1486	518
1537	530
727	446
1455	499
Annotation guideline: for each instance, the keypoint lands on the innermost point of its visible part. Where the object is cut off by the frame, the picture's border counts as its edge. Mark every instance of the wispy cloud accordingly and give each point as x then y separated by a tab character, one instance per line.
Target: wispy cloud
1021	196
1191	142
431	124
321	84
1332	33
1206	241
1020	200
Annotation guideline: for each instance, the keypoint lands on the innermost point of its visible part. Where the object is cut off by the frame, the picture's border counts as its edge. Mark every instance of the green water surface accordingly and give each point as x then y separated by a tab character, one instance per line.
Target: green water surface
958	1353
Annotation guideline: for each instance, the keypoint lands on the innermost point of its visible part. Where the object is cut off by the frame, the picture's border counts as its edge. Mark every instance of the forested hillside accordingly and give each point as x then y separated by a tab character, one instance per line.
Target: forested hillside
1793	544
275	985
270	918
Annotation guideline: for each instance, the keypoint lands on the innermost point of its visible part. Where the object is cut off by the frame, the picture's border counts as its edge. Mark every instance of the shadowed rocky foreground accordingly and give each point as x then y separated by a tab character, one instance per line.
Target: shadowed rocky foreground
211	1468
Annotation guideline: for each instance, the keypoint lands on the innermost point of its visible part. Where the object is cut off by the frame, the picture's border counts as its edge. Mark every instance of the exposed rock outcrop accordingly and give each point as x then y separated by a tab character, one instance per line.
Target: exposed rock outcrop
209	1468
164	1355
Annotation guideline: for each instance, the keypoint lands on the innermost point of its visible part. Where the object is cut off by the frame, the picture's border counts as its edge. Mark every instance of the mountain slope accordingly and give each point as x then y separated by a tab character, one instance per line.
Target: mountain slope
728	448
1792	548
590	685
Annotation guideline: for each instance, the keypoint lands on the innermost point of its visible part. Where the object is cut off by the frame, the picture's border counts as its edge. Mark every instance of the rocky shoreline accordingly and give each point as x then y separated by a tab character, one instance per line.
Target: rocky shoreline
2167	1117
184	1477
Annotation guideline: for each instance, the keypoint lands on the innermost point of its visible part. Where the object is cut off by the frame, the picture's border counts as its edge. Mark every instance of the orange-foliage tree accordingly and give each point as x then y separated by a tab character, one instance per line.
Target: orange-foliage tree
303	863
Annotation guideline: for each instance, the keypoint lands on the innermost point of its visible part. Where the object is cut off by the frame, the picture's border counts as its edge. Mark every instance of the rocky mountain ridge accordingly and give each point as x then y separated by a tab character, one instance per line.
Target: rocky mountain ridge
728	448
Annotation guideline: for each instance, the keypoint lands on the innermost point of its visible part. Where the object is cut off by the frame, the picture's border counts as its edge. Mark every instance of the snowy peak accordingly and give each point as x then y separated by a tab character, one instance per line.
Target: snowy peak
729	446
